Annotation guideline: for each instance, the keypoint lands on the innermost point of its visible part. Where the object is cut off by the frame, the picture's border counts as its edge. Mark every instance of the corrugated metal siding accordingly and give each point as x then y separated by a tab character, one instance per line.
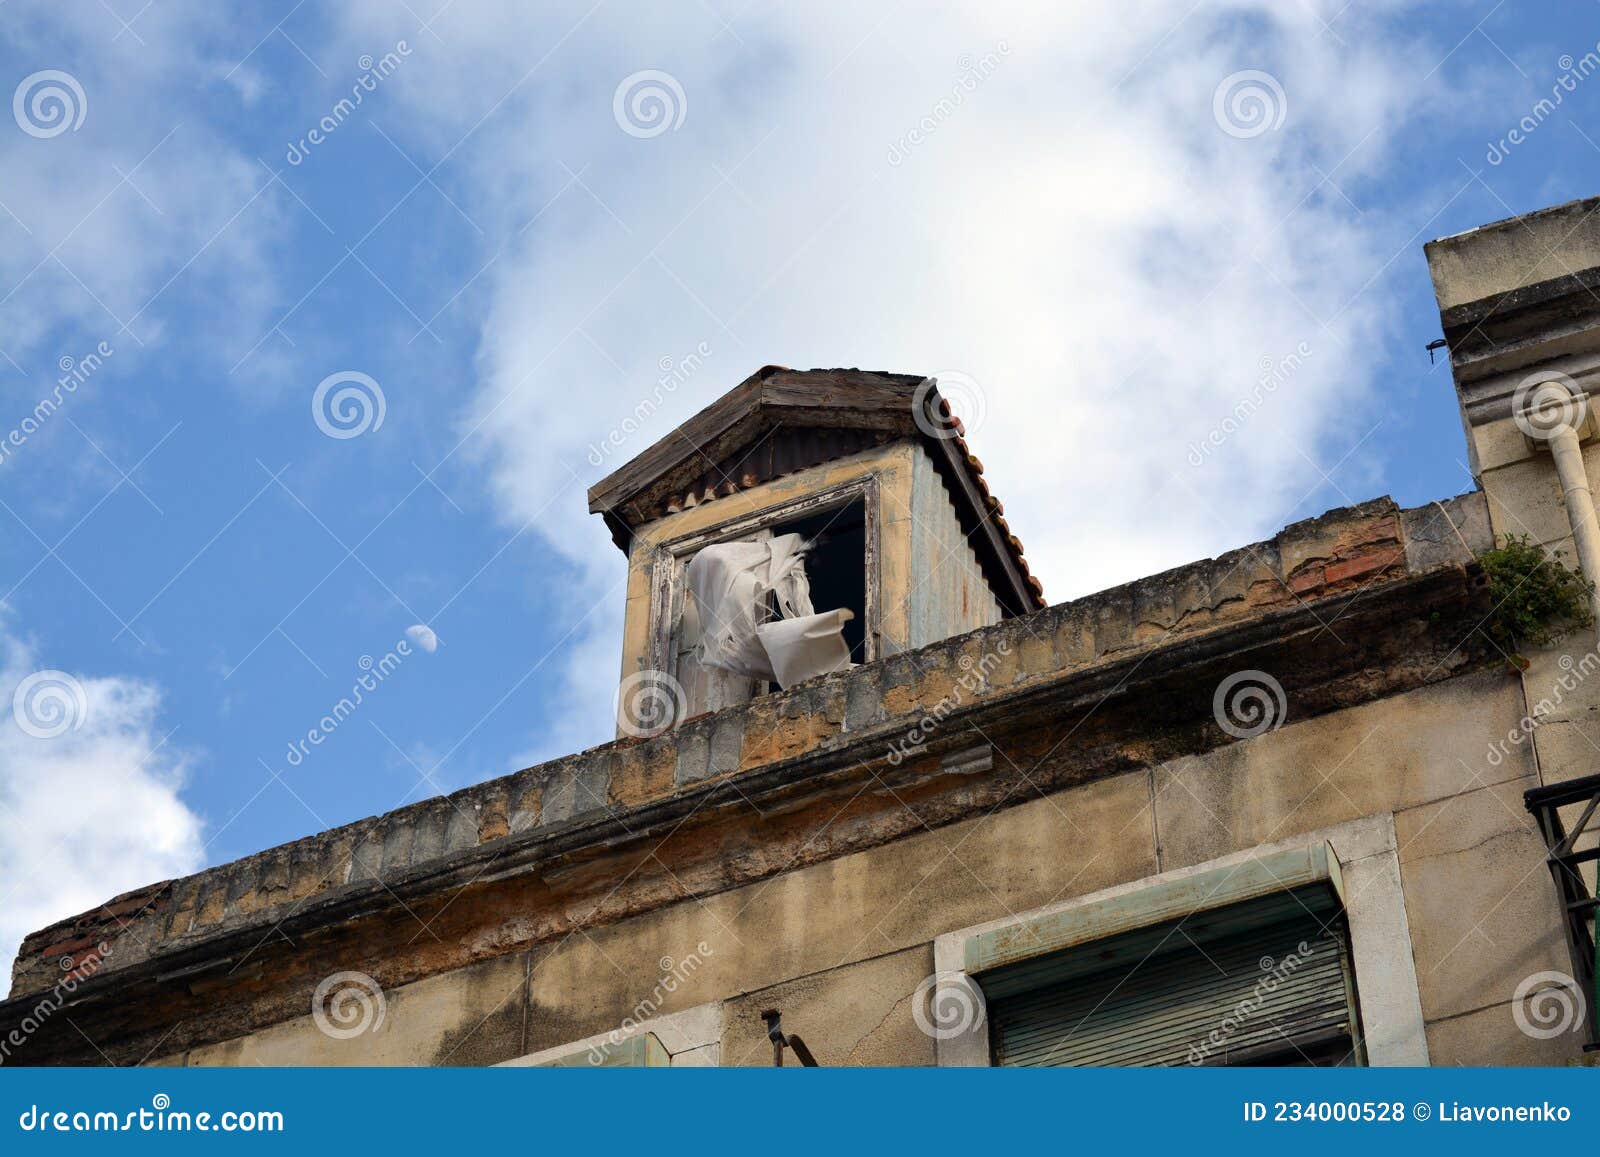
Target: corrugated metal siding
1182	1002
949	594
784	451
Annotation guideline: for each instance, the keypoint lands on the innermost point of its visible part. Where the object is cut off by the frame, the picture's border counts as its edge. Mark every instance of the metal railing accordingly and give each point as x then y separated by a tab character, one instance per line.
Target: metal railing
1578	902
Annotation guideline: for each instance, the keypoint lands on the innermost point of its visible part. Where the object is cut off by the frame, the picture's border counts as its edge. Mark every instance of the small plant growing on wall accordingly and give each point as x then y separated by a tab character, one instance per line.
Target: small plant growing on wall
1537	598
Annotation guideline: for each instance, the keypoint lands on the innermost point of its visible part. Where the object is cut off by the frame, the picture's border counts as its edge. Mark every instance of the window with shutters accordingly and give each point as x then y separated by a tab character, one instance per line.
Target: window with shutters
1261	957
1263	982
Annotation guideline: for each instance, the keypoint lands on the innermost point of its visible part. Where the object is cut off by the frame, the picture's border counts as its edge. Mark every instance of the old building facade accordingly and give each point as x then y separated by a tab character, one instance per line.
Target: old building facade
1292	805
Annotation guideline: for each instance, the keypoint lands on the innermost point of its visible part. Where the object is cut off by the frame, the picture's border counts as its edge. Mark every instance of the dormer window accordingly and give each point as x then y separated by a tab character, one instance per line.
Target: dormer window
870	472
769	601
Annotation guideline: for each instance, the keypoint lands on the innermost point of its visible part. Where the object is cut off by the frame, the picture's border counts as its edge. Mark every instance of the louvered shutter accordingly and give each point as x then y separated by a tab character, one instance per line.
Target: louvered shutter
1232	985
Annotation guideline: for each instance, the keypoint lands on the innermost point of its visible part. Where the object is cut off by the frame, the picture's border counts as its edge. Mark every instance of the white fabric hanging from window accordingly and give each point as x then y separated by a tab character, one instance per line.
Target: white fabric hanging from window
733	585
808	646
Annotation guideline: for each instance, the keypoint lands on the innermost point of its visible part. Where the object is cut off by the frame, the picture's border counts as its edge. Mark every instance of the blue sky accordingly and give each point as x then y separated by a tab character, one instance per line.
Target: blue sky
1058	209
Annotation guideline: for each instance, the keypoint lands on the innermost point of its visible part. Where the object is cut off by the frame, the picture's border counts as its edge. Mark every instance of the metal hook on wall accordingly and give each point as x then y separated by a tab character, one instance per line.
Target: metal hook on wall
780	1041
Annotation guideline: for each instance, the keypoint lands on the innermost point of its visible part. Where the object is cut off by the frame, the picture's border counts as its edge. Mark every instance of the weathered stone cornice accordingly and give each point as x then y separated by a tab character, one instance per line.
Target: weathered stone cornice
1360	603
1498	335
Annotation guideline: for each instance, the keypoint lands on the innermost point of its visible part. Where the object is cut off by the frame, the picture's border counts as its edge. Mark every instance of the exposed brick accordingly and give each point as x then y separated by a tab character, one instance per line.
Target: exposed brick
68	947
1307	580
1339	572
1338	534
131	903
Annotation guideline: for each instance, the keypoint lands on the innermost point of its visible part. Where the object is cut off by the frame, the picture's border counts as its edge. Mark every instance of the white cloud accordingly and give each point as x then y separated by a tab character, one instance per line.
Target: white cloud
142	213
89	799
1076	233
145	210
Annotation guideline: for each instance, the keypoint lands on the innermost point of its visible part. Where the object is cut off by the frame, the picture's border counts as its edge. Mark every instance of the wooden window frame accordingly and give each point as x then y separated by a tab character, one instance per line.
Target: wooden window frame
666	576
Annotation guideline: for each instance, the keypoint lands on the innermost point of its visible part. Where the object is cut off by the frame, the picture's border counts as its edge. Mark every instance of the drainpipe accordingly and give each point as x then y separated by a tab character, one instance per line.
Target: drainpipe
1580	507
1553	411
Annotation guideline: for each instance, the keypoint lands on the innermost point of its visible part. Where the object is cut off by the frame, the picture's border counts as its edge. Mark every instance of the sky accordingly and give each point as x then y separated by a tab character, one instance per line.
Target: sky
317	321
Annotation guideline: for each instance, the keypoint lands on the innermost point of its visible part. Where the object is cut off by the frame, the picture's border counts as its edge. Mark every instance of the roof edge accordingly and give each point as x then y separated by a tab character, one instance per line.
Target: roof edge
1346	550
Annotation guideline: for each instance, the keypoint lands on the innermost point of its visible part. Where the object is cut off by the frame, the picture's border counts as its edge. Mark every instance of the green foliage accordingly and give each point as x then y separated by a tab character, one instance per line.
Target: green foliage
1536	597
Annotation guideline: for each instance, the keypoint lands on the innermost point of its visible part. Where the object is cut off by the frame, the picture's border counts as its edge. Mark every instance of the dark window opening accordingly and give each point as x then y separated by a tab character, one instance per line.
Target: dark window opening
836	566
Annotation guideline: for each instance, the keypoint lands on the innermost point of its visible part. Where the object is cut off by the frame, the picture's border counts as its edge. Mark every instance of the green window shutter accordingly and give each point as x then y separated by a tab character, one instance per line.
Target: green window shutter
1230	985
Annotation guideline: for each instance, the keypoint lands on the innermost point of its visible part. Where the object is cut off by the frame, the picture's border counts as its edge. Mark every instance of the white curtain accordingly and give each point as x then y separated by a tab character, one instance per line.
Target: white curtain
734	584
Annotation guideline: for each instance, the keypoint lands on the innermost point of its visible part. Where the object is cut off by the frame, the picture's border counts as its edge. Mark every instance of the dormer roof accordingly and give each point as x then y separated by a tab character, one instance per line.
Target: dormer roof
780	420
